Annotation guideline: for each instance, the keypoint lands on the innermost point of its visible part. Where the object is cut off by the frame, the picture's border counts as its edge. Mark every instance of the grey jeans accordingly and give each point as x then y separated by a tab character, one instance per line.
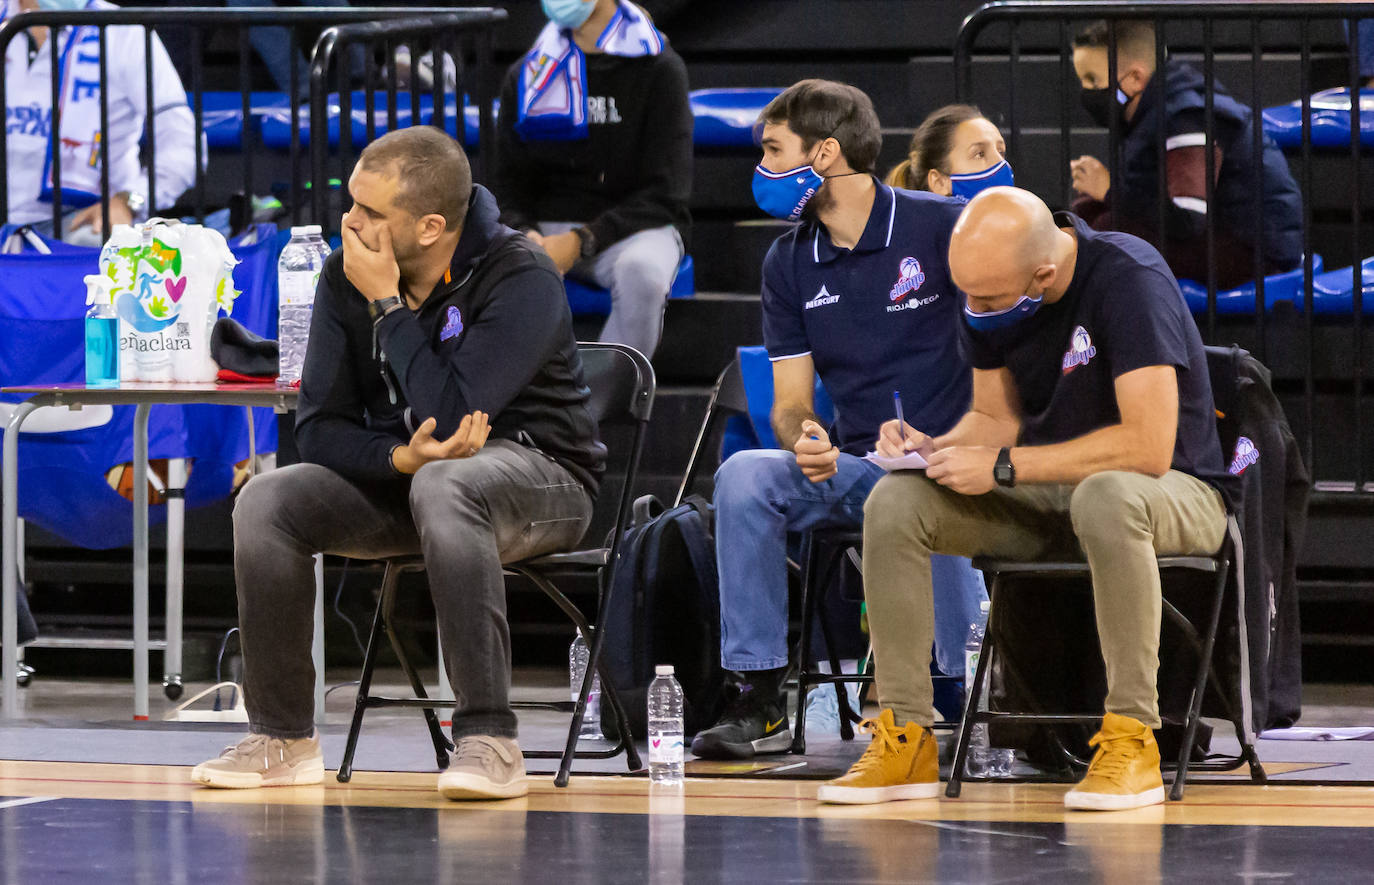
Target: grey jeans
638	271
467	516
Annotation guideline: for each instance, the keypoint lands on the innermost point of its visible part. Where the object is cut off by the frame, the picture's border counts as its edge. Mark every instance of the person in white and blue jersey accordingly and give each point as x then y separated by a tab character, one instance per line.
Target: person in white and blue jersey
858	292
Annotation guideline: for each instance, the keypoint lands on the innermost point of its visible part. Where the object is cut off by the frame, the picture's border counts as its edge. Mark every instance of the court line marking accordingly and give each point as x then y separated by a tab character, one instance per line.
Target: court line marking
732	797
31	800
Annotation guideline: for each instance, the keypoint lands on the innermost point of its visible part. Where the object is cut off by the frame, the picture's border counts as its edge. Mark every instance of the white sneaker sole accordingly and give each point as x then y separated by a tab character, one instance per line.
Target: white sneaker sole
465	786
1111	801
874	795
775	743
310	771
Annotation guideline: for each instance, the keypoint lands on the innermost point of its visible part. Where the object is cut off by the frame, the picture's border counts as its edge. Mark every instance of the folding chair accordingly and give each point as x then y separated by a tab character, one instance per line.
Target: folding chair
1202	643
622	387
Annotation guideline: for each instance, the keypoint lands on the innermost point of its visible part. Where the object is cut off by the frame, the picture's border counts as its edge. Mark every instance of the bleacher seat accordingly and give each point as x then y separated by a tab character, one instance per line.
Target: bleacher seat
276	123
222	115
725	118
1281	287
1334	291
1330	120
586	299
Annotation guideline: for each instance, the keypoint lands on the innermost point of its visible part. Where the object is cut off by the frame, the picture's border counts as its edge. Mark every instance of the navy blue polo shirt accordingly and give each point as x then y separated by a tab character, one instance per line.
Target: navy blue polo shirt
1122	311
880	317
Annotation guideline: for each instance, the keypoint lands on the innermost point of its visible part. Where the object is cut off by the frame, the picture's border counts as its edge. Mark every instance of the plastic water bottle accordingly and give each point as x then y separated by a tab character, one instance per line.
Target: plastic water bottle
578	655
665	728
983	759
298	272
102	334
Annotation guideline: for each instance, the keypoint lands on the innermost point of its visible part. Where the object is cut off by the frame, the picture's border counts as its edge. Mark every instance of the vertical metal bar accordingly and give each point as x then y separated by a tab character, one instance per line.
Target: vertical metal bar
55	142
4	185
1161	146
104	130
246	105
1210	160
319	130
345	103
1257	189
391	110
198	112
1357	260
293	103
1014	136
486	126
1113	123
150	121
1305	90
1066	78
413	44
370	92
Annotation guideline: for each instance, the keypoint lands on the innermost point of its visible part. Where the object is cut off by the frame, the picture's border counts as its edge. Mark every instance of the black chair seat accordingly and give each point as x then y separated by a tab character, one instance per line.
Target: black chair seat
595	556
1070	569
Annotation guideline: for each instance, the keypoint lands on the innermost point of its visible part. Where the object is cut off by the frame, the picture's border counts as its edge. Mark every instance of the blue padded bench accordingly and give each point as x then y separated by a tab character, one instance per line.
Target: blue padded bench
725	118
1330	120
276	126
1286	286
1334	291
222	114
586	299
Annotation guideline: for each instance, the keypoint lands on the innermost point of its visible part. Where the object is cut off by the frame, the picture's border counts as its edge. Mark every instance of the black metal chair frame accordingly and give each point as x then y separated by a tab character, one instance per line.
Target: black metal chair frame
630	399
1218	565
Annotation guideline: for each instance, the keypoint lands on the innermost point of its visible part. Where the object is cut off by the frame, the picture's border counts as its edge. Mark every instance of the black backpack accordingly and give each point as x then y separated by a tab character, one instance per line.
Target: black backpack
665	609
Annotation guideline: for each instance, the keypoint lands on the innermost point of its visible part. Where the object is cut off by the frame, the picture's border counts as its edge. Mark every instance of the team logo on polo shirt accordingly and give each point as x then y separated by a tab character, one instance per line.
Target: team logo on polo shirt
453	324
1080	351
909	279
1247	453
823	297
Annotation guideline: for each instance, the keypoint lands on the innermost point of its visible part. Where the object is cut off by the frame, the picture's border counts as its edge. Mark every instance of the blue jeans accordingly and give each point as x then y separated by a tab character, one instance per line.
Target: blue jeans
761	495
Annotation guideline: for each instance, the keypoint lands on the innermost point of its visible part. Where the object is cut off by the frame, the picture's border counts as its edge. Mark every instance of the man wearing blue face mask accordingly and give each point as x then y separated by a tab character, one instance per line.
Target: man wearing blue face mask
594	157
858	293
1091	430
29	114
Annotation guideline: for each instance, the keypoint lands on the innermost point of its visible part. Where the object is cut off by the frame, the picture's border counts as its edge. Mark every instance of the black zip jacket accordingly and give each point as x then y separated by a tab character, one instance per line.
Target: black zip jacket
633	172
495	336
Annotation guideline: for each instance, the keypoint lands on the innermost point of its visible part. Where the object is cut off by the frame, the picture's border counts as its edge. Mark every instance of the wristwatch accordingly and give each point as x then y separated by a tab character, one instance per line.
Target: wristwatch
136	203
588	241
1003	471
383	306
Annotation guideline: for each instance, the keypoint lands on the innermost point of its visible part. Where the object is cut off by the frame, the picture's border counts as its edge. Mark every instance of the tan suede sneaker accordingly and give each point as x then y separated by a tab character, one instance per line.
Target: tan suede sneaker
262	761
900	763
484	767
1124	772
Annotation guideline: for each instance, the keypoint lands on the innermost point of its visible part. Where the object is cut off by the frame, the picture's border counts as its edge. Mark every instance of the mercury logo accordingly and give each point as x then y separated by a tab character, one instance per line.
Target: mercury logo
823	297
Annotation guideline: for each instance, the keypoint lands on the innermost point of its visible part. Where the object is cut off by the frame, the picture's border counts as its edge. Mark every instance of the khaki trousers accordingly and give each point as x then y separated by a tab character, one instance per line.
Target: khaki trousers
1120	521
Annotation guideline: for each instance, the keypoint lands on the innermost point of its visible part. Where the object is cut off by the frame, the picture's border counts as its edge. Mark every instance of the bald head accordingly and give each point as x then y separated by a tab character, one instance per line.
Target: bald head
1002	239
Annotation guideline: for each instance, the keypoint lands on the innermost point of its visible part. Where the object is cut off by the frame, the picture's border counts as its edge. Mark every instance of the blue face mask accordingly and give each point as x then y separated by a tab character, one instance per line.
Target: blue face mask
996	320
968	185
784	194
564	13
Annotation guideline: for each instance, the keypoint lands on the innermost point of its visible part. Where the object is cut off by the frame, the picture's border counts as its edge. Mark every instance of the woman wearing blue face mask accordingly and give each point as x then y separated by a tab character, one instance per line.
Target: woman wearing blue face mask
956	151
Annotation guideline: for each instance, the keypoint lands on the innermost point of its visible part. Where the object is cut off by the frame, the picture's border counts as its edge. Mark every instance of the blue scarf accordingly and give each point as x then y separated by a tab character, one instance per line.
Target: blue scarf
553	79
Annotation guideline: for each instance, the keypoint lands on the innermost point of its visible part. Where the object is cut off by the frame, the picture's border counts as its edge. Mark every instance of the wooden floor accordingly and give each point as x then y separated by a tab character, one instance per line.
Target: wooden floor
1204	804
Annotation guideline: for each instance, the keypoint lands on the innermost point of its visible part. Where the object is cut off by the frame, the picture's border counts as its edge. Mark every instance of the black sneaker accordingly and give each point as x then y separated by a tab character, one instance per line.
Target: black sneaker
753	722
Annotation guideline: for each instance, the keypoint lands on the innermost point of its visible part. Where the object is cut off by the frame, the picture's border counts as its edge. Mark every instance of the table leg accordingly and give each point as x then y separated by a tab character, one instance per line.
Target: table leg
176	575
9	563
317	645
141	561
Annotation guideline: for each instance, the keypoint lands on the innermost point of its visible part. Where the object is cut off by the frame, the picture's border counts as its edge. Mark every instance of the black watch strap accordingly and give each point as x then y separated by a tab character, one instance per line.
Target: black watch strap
588	248
1004	472
383	306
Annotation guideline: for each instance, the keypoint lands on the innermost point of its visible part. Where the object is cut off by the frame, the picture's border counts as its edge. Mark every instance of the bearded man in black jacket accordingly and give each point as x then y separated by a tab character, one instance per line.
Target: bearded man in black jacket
442	411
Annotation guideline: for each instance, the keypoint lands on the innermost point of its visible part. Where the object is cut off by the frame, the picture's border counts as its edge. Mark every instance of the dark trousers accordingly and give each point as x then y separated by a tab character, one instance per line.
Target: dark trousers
466	516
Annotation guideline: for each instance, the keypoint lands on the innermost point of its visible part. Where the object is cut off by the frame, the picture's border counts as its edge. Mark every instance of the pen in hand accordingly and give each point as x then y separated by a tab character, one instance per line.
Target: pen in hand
901	421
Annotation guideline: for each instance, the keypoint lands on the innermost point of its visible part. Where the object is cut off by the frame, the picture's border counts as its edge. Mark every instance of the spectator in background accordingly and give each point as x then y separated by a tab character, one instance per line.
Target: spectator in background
28	122
956	151
1144	104
594	157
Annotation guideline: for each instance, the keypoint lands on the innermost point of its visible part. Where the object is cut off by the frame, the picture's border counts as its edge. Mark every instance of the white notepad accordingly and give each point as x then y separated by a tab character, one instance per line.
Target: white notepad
909	461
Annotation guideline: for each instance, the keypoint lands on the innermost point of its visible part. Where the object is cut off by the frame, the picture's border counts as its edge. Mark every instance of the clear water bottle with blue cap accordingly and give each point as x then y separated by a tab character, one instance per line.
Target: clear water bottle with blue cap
666	746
